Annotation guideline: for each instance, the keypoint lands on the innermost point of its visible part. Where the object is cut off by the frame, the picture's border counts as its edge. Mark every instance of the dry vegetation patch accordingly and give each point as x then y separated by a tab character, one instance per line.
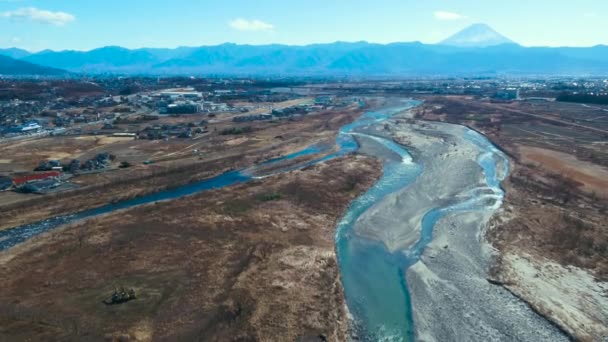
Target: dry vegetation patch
250	262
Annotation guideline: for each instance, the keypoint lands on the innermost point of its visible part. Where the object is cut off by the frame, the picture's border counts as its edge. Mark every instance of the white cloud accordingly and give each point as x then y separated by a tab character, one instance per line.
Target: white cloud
39	15
250	25
16	40
445	15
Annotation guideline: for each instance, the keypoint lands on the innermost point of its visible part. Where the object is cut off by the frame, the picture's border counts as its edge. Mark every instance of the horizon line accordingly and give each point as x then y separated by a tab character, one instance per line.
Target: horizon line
301	45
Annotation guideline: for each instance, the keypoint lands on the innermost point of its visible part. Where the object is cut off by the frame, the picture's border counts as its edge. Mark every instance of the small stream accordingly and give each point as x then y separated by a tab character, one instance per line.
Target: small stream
345	142
374	279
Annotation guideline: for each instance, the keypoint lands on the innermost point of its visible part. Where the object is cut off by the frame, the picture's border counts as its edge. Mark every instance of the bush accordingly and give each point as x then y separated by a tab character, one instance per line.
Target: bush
351	182
236	130
236	207
270	196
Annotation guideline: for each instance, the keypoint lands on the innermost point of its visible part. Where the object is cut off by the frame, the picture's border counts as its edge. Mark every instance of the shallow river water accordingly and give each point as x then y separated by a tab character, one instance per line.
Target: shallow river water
374	279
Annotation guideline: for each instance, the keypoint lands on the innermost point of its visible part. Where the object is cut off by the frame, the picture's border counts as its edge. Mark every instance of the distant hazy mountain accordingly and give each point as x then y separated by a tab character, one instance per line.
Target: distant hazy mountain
477	35
14	53
14	67
99	59
478	50
597	53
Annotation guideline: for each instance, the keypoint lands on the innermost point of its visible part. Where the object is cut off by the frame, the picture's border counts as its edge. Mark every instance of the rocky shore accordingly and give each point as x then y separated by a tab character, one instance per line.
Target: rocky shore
451	296
453	299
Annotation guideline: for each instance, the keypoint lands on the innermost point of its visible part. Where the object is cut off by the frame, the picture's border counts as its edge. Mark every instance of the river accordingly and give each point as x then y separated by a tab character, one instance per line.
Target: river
345	142
373	278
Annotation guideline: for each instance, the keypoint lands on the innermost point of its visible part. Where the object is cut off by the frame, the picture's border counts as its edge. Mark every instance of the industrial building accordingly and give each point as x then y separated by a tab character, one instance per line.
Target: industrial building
183	108
30	127
187	93
19	181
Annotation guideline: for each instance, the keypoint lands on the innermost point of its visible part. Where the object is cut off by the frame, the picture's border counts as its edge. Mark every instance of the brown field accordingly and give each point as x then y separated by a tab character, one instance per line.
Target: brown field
557	189
26	155
175	162
249	262
593	177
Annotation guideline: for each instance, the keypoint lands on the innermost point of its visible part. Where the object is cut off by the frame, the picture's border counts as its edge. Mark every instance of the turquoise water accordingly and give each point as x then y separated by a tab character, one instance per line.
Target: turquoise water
374	279
347	144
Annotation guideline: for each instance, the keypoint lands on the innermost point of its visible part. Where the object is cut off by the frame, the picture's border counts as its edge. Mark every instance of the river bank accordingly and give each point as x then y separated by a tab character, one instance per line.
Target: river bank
451	297
253	260
216	155
436	222
550	234
121	233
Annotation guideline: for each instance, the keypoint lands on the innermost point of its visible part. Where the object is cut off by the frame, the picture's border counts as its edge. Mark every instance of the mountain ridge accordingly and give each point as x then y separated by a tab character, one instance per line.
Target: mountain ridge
14	52
491	54
14	67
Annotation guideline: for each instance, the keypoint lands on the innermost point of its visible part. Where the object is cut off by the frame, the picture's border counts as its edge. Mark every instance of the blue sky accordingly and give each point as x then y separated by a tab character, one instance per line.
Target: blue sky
87	24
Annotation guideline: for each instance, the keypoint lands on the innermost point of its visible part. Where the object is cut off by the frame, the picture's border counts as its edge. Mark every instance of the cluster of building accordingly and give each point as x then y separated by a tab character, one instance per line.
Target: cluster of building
295	110
493	88
33	183
17	112
67	106
176	101
99	162
55	116
162	132
279	113
51	174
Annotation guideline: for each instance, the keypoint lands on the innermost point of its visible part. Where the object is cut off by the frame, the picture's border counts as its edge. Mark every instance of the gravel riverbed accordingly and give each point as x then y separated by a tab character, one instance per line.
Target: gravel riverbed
451	297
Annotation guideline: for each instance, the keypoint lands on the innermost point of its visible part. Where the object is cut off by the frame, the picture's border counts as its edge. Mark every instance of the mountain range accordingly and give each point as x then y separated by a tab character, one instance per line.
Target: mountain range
15	67
477	50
